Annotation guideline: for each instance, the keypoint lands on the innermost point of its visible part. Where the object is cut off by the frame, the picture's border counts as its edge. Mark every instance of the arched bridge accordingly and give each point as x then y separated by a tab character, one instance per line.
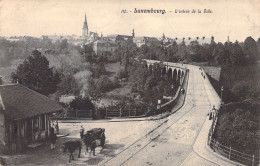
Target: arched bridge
171	70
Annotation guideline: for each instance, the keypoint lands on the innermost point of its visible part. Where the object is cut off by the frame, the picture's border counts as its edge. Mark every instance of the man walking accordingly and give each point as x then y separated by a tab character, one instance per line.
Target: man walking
53	138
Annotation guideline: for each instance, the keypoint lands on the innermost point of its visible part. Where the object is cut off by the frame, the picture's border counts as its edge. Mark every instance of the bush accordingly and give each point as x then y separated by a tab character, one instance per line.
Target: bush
104	84
241	89
82	103
122	74
238	126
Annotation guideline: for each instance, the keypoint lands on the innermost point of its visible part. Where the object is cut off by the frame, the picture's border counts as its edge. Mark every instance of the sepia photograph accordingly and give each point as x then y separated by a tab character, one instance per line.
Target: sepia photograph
130	83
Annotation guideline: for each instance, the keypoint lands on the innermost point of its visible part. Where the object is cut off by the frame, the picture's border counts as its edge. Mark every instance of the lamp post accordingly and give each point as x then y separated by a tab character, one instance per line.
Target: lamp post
222	89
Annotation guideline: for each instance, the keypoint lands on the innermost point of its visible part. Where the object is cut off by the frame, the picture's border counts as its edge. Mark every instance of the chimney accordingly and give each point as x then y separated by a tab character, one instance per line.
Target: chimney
133	33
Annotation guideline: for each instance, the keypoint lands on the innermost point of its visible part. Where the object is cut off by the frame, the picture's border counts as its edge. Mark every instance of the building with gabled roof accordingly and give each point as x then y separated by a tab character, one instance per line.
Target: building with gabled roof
24	116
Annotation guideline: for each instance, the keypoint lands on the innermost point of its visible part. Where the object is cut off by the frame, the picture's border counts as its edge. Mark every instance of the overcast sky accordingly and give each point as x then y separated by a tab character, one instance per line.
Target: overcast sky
236	18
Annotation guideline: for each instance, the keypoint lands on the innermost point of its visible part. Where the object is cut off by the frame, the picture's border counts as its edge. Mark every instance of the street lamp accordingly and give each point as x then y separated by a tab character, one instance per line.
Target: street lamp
222	89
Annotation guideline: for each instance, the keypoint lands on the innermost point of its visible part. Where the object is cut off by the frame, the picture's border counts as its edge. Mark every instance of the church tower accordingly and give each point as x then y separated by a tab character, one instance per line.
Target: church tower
85	27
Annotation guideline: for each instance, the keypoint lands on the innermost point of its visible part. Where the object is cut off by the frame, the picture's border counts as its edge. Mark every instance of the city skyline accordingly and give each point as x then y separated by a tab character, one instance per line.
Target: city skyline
236	19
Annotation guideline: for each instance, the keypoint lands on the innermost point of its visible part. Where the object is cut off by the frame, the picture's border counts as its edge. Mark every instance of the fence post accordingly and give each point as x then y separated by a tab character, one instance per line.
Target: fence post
229	153
129	112
120	112
106	112
253	160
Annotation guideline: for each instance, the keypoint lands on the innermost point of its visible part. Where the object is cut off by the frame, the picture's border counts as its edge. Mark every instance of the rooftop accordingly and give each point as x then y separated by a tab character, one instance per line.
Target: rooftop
20	102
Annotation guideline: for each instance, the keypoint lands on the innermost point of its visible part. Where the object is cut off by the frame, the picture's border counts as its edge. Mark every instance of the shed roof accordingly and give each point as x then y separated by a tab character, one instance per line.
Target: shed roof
20	102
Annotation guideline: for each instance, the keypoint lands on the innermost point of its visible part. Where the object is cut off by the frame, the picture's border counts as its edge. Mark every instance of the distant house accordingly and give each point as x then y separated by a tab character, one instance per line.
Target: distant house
104	46
24	116
122	40
139	41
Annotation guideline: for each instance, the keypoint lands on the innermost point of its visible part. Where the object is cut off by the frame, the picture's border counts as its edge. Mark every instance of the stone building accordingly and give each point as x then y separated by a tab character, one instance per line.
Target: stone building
139	41
104	46
122	40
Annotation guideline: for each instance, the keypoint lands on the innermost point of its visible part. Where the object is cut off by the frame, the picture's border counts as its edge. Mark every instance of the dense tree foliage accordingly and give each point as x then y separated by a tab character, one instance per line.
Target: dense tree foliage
36	74
150	84
97	69
238	127
250	49
104	84
68	85
82	103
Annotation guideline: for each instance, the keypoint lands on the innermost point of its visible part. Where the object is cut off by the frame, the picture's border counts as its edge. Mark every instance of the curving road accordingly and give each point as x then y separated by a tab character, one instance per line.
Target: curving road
172	143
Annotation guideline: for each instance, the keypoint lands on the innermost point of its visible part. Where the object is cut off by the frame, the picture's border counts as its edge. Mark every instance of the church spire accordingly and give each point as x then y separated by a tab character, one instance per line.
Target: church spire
85	27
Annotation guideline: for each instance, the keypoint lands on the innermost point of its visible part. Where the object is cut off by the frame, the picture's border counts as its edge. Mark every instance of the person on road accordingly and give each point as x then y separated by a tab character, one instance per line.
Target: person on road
81	132
103	139
93	146
212	112
57	127
53	138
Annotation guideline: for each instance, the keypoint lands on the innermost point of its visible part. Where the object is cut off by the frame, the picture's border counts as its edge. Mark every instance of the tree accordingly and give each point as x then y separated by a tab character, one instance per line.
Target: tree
221	55
87	49
82	103
250	49
64	44
241	90
258	46
98	70
237	56
104	84
68	85
36	74
238	126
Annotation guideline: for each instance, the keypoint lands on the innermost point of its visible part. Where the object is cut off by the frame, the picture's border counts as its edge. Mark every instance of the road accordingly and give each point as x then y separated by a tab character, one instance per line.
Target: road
172	143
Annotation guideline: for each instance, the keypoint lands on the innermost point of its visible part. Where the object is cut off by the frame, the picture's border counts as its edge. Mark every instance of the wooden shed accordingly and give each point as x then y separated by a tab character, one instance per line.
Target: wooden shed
24	116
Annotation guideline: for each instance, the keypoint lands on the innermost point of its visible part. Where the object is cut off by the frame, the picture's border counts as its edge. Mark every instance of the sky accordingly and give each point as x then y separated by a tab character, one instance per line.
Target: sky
237	19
